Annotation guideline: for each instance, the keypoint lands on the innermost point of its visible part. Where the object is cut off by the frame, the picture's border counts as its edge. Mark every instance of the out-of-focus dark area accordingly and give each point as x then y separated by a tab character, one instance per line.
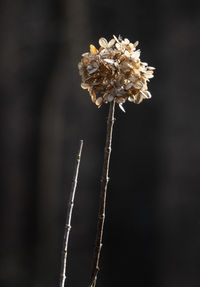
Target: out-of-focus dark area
152	228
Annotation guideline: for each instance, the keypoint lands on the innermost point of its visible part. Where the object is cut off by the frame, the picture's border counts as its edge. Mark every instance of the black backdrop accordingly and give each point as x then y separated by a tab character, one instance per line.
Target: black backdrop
152	229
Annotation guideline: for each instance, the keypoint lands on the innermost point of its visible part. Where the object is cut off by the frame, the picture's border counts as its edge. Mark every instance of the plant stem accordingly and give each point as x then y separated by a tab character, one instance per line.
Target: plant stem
68	217
102	199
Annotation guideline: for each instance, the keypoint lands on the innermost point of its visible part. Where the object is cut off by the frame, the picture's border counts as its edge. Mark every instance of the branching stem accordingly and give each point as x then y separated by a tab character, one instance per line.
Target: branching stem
68	218
102	199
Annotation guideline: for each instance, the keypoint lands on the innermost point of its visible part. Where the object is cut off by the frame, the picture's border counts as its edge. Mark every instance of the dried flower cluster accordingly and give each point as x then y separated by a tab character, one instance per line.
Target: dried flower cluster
115	72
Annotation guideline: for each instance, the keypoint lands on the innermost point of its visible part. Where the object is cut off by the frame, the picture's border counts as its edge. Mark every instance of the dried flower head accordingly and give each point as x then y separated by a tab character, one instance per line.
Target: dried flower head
115	72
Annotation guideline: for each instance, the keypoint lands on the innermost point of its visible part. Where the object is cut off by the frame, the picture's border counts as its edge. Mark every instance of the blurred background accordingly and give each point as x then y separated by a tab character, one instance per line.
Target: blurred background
152	228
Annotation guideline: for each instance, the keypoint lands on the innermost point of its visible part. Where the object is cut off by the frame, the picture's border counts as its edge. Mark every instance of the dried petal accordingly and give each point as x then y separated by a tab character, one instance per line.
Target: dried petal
131	99
126	41
138	85
127	54
109	98
111	43
103	42
115	38
99	102
138	98
136	44
122	108
118	46
109	61
93	50
128	86
85	54
120	100
146	94
92	71
149	74
93	96
136	54
84	86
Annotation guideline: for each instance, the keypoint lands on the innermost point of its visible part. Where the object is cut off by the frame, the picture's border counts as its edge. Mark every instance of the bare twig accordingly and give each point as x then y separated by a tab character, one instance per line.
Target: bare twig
102	200
68	218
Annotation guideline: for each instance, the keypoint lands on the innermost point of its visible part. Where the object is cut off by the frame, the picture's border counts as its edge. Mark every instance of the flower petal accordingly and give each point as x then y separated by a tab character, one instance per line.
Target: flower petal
136	44
131	99
84	86
126	41
118	46
146	94
136	54
93	96
115	38
128	86
138	85
92	71
111	43
122	108
93	50
138	98
103	42
109	61
99	102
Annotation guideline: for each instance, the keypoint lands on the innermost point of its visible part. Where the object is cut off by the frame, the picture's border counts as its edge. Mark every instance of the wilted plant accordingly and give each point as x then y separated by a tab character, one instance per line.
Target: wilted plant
112	74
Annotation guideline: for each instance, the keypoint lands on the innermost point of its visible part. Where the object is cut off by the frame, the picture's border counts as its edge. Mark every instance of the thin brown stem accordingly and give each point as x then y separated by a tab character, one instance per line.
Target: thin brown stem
102	199
68	218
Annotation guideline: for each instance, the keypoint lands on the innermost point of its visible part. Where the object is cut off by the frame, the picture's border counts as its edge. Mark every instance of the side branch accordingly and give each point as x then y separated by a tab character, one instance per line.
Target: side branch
68	217
102	199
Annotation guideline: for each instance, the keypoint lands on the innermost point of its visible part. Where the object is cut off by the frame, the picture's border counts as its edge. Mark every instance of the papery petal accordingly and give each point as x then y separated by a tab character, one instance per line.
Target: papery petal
92	71
93	96
136	44
122	108
93	50
127	54
131	99
109	61
146	94
109	98
138	99
99	102
136	54
103	42
118	46
85	54
128	86
111	43
126	41
115	38
149	74
85	60
138	85
84	86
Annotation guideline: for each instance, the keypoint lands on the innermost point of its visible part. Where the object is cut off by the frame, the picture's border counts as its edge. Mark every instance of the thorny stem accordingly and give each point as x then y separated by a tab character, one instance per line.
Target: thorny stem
102	199
68	218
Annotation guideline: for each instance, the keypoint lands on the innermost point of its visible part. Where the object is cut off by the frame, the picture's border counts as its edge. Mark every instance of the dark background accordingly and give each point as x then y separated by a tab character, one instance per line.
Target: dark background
152	229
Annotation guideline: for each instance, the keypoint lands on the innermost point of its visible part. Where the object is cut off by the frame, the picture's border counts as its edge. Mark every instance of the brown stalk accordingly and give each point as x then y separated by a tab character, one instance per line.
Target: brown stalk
102	199
68	218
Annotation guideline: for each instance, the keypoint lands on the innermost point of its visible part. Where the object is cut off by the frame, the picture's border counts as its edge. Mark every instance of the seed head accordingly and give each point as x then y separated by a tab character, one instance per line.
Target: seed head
115	72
